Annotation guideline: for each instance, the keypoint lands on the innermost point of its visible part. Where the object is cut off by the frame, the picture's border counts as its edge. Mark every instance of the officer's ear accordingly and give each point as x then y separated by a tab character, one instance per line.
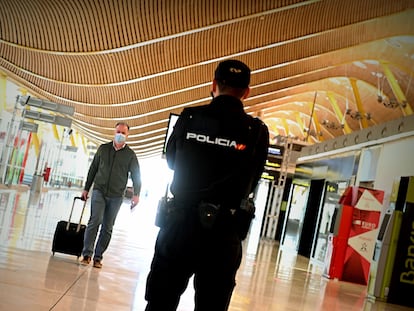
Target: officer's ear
246	93
213	88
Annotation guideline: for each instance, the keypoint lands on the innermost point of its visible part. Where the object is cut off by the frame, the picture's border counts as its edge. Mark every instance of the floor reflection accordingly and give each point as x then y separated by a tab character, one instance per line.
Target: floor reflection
31	278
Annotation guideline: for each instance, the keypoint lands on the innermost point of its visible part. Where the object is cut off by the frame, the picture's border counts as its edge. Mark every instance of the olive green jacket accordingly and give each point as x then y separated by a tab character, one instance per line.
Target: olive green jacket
110	169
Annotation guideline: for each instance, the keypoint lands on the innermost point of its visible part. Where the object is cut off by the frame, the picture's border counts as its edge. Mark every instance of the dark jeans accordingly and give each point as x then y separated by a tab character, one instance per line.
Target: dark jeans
183	249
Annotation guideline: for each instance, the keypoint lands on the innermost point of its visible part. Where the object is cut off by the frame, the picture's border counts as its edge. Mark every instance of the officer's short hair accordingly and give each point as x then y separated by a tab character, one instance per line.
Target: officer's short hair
233	73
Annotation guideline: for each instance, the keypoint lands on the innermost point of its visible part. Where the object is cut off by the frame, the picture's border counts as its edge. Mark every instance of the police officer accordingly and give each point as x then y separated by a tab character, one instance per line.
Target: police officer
217	153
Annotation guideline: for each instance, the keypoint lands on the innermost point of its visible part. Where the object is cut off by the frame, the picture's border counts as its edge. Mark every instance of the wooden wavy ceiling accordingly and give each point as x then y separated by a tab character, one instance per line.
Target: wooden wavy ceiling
139	61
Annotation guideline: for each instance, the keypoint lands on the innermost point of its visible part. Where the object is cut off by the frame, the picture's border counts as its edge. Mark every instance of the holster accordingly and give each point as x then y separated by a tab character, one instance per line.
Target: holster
244	216
164	209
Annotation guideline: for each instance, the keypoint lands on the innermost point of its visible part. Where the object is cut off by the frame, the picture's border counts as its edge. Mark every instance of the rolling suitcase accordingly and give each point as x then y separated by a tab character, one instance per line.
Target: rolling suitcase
68	237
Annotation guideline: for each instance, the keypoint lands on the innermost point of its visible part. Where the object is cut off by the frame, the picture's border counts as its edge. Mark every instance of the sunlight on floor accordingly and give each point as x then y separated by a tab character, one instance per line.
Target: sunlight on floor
31	278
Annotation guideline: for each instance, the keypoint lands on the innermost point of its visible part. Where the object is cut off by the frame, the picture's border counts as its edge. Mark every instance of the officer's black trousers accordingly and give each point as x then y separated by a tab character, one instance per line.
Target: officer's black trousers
183	249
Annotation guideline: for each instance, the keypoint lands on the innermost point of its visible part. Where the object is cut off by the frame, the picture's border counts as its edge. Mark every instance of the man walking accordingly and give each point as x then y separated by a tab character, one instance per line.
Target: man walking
109	172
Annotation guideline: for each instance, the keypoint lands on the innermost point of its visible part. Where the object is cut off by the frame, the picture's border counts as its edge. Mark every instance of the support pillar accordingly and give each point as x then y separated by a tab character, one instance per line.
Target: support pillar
338	112
360	106
396	89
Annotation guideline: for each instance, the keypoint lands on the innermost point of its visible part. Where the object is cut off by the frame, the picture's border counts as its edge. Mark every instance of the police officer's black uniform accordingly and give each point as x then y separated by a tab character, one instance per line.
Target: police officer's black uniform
217	152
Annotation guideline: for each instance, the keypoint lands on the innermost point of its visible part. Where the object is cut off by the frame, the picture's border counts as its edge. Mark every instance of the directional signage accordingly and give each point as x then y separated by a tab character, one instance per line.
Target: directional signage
44	104
28	126
71	148
58	120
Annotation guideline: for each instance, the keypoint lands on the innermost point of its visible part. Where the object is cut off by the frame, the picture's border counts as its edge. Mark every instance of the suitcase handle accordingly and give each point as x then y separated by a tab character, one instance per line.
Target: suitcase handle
71	211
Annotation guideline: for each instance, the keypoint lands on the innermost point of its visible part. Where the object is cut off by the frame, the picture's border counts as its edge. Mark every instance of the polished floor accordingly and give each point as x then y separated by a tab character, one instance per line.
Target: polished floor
32	278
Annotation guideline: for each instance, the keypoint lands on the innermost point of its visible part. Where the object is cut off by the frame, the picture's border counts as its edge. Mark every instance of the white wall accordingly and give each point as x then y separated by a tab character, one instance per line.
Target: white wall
396	160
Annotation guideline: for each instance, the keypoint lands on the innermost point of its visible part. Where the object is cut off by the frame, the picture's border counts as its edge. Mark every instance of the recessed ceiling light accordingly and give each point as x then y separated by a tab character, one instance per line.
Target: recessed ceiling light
393	42
360	65
377	74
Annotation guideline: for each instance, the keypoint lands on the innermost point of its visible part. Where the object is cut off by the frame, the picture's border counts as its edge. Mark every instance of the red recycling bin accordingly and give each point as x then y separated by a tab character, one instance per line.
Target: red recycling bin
353	242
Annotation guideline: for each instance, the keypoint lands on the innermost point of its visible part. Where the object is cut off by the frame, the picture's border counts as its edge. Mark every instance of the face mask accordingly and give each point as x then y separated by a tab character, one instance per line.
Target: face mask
120	138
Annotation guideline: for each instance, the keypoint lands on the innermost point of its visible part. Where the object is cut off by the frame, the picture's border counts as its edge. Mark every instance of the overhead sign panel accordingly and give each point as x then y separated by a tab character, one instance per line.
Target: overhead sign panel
28	126
71	148
58	120
44	104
